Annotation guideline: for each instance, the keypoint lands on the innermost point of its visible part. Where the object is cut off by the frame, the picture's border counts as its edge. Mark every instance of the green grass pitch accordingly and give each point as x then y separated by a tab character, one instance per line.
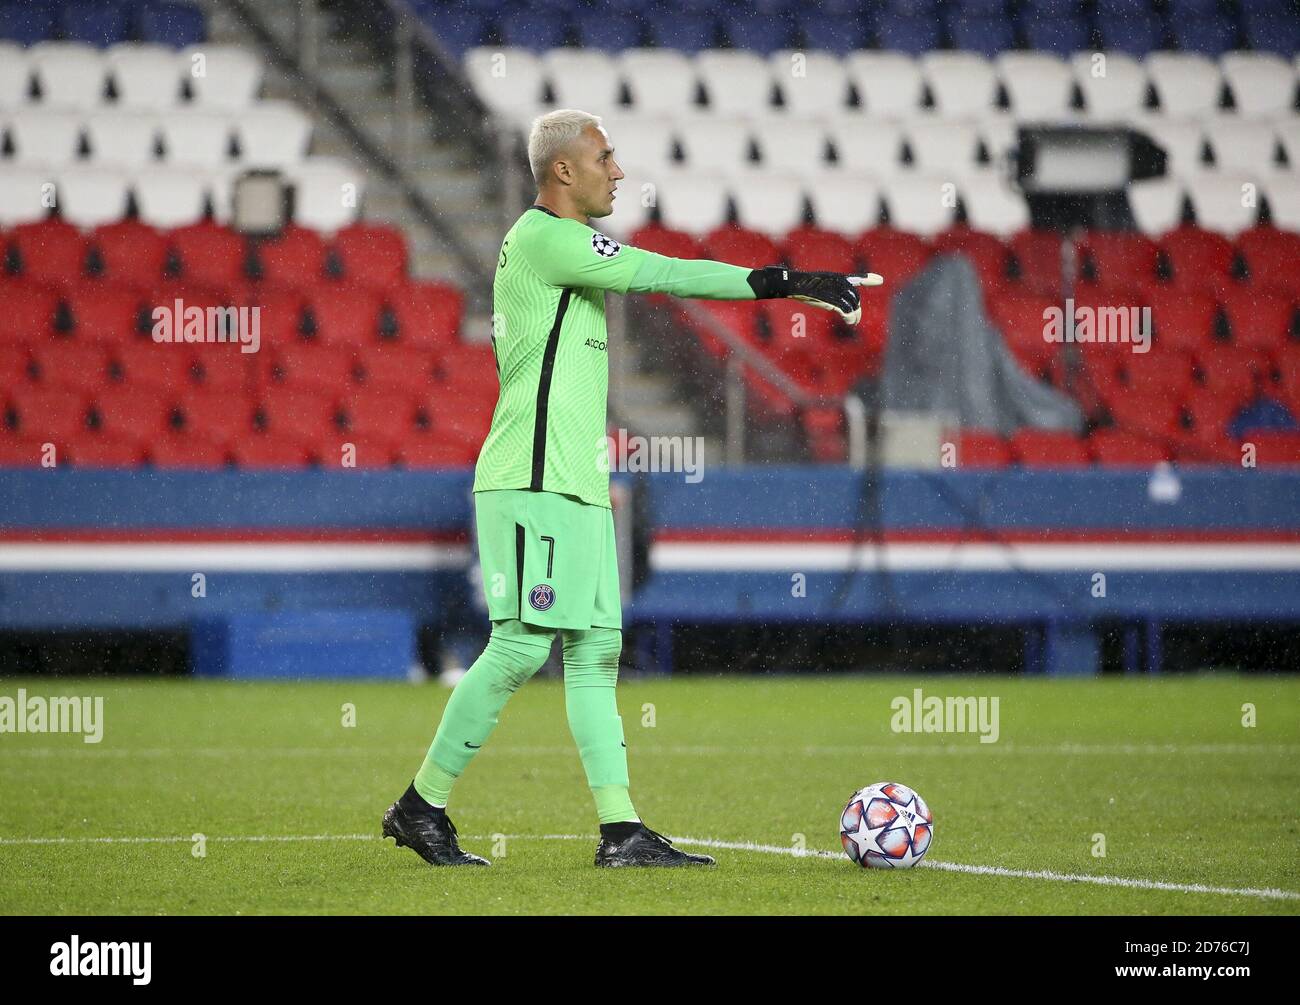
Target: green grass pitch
289	799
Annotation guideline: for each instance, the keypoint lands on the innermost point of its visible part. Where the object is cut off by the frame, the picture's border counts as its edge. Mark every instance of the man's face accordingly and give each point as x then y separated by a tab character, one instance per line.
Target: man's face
594	171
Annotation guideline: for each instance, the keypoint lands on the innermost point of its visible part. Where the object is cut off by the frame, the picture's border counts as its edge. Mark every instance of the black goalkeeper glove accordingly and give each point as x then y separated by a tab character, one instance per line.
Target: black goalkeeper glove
828	290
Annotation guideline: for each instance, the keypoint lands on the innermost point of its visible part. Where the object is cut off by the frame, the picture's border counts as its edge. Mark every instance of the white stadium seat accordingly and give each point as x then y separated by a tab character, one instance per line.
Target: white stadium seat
193	138
1157	204
642	143
170	197
22	195
943	146
223	77
714	144
15	76
1262	84
792	145
92	196
1000	134
69	74
146	77
272	134
919	204
812	83
846	203
992	205
1038	84
1242	145
322	198
660	81
1113	84
1284	201
736	81
122	139
869	145
888	83
1222	202
505	77
963	84
583	78
1186	83
1288	135
769	203
1181	140
695	202
45	138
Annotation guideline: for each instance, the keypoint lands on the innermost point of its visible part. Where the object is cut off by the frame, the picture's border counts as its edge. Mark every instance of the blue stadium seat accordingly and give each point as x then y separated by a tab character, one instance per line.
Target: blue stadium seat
687	32
610	32
1109	10
980	33
1210	36
989	8
1273	33
101	23
911	8
174	24
837	34
913	35
1135	35
1051	8
1192	8
27	22
458	30
764	35
536	30
1060	36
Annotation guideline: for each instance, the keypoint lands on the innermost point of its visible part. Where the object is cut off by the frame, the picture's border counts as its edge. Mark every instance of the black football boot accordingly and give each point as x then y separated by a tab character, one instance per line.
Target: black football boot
643	847
427	831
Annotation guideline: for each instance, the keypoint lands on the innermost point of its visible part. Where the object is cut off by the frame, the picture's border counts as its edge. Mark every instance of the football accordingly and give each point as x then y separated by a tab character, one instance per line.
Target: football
886	826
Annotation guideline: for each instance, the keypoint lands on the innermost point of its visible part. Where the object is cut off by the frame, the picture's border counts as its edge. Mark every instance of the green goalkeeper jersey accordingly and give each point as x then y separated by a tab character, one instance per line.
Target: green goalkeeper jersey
550	341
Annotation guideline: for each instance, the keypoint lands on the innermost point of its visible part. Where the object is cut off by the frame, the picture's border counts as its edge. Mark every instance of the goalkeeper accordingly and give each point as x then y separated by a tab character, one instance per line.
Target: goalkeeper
541	485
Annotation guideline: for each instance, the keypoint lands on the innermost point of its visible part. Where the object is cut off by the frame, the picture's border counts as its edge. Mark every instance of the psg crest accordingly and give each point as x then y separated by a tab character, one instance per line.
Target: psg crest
541	597
604	246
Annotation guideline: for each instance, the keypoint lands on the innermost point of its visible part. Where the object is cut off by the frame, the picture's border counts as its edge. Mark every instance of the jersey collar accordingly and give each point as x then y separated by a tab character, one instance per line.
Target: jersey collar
545	210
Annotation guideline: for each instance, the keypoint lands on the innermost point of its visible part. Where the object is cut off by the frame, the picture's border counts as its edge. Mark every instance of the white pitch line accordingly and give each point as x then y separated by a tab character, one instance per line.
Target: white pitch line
1266	893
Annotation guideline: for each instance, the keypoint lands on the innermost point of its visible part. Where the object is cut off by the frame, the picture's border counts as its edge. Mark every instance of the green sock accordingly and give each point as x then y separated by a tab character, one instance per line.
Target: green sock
515	651
590	676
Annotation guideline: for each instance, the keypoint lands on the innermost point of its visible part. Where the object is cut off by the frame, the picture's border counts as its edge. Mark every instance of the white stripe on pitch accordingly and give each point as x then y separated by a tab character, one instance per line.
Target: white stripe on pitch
233	556
971	557
1266	893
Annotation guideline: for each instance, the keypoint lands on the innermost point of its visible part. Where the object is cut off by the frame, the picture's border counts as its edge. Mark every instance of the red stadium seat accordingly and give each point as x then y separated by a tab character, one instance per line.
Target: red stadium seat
1198	259
129	251
1020	318
15	366
426	314
398	366
1274	447
663	241
297	414
332	449
1182	318
22	452
986	253
29	312
295	258
740	316
50	251
1049	448
223	367
185	450
469	364
216	415
1231	373
432	452
388	417
1118	258
1037	254
108	312
738	246
372	254
1259	319
1209	413
977	448
309	366
281	314
344	315
811	250
1149	415
1118	448
71	365
263	451
1271	258
105	451
53	414
892	253
210	254
1162	372
169	368
135	413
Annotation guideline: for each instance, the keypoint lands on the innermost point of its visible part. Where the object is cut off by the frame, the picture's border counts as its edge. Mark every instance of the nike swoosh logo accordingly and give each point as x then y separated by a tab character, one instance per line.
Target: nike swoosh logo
473	746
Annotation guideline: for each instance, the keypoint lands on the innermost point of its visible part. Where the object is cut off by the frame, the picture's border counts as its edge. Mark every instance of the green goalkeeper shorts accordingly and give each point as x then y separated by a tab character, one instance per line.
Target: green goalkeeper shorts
548	559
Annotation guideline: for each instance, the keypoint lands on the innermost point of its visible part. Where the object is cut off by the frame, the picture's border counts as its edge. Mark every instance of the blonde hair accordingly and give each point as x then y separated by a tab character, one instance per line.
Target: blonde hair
551	134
